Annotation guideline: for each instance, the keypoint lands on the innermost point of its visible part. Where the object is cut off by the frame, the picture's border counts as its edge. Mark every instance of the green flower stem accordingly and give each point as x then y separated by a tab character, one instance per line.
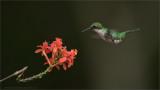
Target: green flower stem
34	76
38	75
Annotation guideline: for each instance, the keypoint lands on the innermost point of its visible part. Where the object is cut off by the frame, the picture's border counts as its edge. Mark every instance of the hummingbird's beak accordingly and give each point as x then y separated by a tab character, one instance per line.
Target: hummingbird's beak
86	29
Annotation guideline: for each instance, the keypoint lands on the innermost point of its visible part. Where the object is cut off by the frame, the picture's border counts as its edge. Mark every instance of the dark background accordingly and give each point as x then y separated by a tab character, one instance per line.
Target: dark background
132	64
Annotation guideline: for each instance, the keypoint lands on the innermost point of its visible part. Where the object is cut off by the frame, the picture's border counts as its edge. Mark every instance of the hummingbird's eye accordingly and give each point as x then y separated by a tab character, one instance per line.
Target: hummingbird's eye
94	26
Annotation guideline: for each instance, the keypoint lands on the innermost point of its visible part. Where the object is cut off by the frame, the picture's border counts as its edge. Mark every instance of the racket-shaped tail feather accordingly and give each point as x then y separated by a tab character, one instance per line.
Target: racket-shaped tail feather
134	30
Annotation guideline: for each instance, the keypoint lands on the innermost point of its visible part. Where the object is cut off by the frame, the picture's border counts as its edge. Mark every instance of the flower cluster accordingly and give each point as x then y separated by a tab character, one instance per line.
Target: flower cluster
59	54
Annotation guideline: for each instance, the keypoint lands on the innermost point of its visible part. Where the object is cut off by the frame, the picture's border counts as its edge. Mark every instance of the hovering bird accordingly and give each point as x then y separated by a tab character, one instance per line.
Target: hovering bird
108	35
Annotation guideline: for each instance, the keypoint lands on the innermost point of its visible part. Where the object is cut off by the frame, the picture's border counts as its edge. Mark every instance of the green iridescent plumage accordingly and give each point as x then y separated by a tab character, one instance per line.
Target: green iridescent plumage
108	34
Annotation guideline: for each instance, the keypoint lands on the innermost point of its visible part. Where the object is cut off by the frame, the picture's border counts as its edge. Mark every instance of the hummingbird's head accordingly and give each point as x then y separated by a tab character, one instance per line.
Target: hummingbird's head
94	26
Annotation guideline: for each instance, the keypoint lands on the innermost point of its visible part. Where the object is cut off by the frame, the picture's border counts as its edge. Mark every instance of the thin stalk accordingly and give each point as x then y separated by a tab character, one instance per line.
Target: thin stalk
14	74
44	53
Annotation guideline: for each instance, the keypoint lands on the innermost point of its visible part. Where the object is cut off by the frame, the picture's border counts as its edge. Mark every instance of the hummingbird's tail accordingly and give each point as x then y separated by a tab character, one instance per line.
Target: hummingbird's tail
132	30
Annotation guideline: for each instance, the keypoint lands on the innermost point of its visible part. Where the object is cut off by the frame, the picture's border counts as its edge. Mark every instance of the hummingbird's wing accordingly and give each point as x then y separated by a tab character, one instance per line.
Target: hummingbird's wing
111	31
95	36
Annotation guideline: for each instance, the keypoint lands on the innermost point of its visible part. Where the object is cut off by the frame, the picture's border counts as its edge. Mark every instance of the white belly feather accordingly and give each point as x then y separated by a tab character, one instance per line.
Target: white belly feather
101	33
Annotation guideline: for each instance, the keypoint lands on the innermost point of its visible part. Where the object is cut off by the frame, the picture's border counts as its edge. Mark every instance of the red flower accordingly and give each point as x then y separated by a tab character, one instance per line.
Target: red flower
60	55
58	43
64	66
44	47
58	67
51	61
65	52
62	59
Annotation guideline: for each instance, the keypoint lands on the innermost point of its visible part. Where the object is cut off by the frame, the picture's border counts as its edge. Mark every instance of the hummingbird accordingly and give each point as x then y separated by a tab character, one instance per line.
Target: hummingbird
109	35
